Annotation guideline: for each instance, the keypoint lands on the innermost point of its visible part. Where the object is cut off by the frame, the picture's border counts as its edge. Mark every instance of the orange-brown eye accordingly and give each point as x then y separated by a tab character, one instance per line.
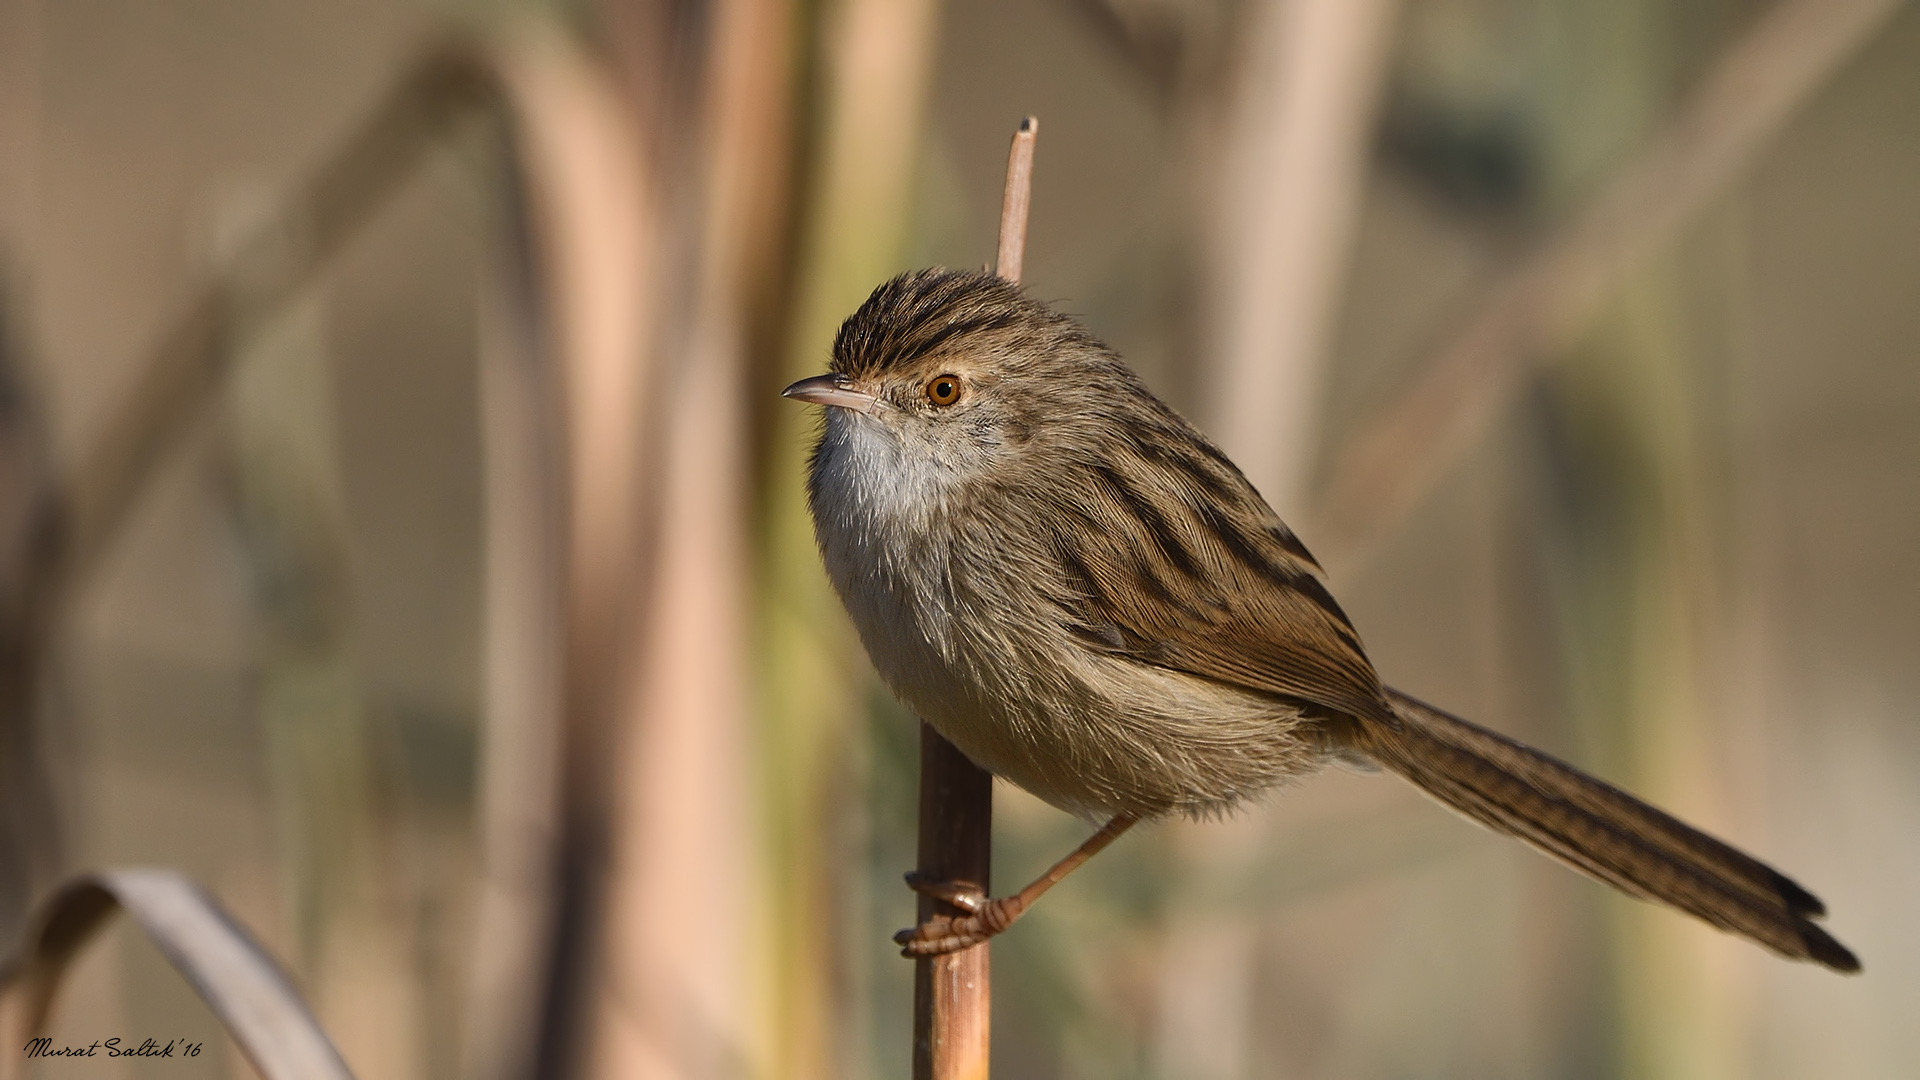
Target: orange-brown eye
944	389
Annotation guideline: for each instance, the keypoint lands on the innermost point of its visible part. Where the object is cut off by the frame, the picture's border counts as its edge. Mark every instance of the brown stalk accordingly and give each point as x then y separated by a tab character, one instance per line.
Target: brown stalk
564	465
673	953
953	993
1016	201
1739	106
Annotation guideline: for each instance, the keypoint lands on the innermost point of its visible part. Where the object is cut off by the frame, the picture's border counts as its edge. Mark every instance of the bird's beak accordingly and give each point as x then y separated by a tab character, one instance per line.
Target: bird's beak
836	390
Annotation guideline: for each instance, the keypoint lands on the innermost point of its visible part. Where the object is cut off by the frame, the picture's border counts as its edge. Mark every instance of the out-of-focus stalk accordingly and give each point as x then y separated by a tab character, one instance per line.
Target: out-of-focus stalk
1639	678
291	511
875	60
79	517
521	692
1291	171
1642	610
1291	174
683	975
29	830
310	226
583	254
562	368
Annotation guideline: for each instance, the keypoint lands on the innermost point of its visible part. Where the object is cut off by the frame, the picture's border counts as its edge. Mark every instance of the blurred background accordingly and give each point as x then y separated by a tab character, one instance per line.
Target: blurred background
400	530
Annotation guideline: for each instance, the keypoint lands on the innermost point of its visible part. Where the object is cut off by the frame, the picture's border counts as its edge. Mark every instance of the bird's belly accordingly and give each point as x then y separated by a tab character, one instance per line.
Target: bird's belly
1095	735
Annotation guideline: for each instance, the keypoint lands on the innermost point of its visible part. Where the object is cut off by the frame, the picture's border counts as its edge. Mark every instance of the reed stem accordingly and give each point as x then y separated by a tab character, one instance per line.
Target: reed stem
953	993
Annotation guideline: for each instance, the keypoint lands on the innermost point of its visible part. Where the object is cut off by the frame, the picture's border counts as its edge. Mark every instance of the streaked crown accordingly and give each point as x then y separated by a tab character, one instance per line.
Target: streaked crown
925	312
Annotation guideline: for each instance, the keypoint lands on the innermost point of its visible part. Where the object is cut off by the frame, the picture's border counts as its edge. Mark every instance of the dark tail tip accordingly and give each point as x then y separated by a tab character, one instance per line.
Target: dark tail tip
1798	899
1825	950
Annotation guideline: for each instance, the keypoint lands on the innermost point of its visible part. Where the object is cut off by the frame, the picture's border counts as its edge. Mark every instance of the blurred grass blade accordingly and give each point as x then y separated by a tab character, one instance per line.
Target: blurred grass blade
231	972
1739	106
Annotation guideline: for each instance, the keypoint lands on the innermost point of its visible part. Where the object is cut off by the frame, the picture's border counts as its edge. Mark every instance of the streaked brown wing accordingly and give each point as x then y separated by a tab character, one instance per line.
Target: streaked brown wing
1169	557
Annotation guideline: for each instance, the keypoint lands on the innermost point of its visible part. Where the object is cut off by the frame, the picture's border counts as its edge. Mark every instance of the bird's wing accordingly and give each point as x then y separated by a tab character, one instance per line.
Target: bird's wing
1167	556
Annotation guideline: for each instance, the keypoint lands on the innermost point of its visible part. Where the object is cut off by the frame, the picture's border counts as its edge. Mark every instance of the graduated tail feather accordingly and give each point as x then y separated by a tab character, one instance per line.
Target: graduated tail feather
1599	829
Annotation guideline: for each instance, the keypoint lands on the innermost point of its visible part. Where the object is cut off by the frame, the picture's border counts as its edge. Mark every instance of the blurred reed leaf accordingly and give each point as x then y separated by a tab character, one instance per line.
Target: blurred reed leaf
1738	106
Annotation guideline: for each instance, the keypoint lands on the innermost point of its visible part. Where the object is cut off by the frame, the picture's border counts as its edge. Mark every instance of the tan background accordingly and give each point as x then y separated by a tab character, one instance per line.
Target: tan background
1686	556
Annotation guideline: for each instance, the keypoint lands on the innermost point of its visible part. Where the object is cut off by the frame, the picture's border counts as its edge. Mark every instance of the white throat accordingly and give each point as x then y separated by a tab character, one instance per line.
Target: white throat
876	499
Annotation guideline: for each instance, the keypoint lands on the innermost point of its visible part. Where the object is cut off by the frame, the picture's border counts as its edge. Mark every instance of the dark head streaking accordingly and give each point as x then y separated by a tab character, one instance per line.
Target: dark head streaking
1077	589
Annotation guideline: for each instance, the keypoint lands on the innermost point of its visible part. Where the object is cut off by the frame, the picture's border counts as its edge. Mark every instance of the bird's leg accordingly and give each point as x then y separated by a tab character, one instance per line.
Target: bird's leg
986	917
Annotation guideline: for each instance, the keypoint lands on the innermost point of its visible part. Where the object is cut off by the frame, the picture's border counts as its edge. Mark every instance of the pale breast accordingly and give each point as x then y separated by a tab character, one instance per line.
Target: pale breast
871	512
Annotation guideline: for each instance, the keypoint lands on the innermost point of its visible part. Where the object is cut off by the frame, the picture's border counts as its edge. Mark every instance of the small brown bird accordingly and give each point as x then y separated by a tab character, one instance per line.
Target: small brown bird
1078	590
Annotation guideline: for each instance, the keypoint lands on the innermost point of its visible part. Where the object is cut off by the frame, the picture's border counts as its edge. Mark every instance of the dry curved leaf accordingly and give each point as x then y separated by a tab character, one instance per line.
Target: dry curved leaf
243	985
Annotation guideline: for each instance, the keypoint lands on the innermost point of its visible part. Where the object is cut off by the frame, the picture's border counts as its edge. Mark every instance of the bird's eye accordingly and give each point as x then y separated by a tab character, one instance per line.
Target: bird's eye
944	389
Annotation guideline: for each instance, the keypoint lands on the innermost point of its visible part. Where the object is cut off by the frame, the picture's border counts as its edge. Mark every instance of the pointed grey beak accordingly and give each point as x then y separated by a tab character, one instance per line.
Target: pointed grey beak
836	390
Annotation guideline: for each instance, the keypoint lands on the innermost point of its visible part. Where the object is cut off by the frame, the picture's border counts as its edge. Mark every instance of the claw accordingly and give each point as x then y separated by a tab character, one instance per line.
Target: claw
945	934
936	938
964	895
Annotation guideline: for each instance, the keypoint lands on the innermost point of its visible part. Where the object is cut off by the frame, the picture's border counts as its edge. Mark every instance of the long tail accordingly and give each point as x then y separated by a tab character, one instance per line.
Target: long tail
1600	830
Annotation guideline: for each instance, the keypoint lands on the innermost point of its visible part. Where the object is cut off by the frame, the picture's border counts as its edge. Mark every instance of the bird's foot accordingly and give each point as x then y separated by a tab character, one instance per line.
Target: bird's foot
950	933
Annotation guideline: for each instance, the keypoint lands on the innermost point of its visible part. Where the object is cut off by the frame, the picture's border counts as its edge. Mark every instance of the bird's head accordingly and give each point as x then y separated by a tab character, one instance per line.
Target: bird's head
959	375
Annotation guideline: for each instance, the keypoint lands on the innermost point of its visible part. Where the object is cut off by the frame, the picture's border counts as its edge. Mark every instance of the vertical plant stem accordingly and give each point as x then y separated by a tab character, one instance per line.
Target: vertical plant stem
1016	201
953	993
